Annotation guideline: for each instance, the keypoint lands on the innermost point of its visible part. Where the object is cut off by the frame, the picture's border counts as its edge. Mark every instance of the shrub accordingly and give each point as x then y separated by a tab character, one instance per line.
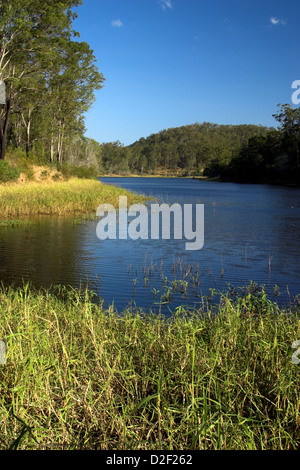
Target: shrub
17	157
56	177
7	172
70	171
44	174
25	167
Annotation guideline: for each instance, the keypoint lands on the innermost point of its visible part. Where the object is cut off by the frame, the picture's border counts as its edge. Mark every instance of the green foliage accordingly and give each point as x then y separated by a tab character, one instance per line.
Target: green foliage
115	158
50	79
17	158
11	223
56	177
185	151
7	172
244	153
273	157
83	172
44	174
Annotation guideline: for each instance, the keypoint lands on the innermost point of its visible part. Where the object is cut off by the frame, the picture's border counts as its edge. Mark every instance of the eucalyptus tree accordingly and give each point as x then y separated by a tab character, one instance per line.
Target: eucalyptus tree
289	119
71	84
35	37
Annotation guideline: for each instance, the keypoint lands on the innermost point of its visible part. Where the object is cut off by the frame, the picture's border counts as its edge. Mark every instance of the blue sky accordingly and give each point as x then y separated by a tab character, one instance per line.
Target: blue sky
169	63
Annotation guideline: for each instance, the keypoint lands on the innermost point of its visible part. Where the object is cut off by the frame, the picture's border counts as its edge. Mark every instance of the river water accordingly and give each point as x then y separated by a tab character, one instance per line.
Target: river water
251	233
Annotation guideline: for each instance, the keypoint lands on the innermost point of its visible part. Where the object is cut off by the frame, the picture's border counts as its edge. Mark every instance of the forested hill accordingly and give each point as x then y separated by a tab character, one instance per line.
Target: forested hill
192	148
186	150
243	153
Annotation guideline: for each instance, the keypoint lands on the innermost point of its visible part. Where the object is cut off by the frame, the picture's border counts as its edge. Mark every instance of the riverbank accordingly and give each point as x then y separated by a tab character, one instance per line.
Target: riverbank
75	196
79	377
205	178
157	175
133	175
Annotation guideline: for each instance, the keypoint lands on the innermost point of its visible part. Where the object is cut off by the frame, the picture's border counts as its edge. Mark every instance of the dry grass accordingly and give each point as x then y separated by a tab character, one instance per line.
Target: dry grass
75	196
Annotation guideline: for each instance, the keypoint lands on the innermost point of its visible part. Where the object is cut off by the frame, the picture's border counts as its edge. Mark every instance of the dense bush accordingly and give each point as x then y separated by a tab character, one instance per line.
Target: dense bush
69	171
7	172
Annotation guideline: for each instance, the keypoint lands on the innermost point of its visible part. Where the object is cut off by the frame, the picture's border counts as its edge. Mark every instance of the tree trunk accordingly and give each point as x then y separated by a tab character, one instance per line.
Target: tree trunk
58	156
28	124
51	149
60	144
3	131
18	133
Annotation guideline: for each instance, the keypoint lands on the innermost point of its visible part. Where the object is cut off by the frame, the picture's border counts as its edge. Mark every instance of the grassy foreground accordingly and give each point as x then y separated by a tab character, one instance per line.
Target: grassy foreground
75	196
77	377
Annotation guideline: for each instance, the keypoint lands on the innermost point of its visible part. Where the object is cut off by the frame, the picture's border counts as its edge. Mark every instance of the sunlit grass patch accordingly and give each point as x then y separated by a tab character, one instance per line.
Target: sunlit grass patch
79	377
75	196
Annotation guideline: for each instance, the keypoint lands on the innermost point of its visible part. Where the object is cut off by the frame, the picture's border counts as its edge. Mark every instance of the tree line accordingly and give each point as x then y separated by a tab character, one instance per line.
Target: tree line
269	158
186	150
244	153
50	77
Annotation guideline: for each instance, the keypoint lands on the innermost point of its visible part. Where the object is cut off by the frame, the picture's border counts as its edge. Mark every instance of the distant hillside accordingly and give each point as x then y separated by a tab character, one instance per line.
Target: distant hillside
190	149
186	150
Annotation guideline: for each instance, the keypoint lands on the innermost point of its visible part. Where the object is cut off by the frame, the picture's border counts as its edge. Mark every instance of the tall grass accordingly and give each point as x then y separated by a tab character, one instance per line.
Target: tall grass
79	377
14	223
69	197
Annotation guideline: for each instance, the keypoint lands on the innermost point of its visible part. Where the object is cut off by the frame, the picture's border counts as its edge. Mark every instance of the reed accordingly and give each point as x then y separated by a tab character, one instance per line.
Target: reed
79	377
14	223
75	196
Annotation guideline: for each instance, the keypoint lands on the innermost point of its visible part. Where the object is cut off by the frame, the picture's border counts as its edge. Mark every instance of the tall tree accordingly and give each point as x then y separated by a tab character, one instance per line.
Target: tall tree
289	119
71	85
31	35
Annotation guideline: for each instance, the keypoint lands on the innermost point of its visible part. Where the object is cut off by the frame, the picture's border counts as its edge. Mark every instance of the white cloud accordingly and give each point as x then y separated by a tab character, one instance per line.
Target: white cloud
275	21
165	4
117	23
